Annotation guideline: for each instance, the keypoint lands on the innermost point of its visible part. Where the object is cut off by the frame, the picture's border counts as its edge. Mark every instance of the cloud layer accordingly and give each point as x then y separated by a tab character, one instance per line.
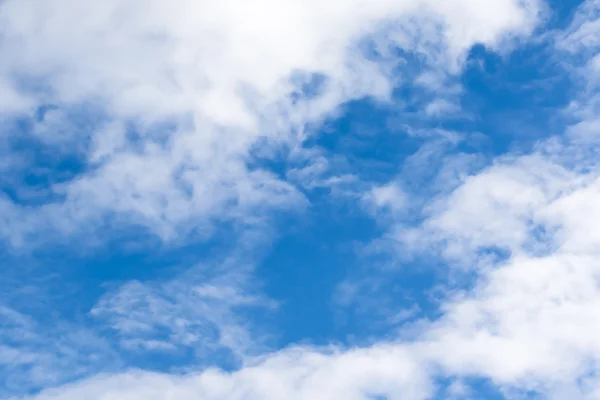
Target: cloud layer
180	98
171	118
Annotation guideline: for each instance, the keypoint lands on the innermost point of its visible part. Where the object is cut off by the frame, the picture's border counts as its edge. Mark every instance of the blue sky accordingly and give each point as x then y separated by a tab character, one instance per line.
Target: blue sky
290	199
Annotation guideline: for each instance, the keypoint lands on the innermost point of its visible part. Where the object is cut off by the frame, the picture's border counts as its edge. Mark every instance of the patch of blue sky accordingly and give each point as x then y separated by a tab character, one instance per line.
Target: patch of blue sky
561	13
43	152
468	388
515	99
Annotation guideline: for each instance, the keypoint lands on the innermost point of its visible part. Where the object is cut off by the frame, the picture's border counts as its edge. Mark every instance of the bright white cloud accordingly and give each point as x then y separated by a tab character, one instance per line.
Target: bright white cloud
529	322
225	77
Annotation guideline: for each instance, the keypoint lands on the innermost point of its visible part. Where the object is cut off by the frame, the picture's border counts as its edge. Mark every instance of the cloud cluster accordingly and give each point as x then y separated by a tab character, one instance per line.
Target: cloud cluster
191	94
184	97
529	325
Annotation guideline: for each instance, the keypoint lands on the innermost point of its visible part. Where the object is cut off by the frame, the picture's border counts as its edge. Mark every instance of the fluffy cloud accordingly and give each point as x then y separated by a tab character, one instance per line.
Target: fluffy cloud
185	95
529	321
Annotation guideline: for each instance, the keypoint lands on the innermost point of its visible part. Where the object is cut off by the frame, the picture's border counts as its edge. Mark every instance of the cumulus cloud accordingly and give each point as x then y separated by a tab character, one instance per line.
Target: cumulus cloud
529	321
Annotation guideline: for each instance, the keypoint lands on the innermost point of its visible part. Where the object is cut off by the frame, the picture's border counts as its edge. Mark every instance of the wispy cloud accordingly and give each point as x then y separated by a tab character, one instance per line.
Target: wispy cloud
35	355
192	312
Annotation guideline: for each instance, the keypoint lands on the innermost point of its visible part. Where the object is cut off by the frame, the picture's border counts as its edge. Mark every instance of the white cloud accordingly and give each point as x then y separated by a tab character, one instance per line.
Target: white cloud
291	374
511	220
225	77
390	195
